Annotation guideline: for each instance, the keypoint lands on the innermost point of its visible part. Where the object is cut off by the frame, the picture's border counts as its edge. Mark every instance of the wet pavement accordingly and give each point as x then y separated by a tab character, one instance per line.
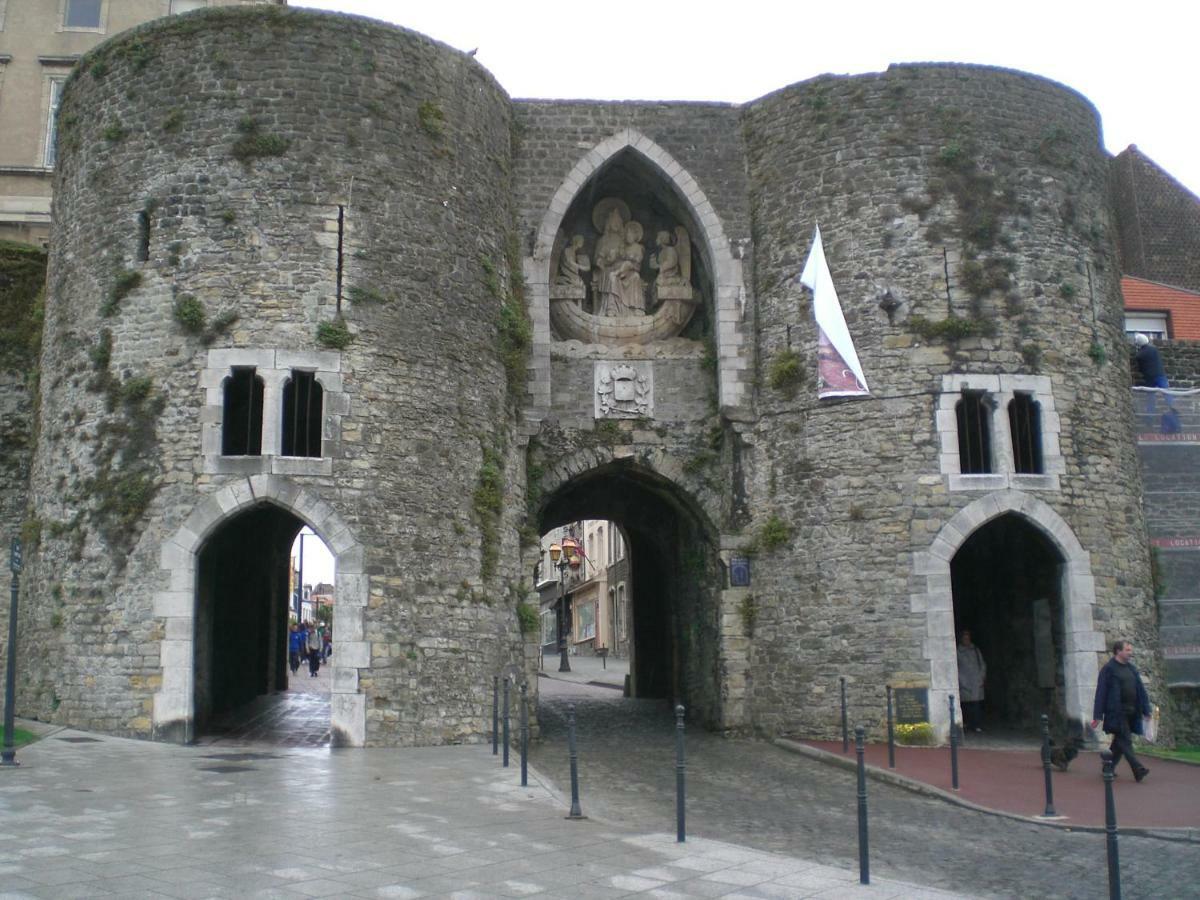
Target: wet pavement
747	791
96	816
297	717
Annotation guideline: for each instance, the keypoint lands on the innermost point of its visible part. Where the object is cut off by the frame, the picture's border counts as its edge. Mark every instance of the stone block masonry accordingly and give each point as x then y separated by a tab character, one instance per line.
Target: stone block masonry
298	192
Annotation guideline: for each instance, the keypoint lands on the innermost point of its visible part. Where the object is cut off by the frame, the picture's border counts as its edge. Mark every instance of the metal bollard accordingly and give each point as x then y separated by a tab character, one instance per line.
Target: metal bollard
1110	829
680	834
1046	767
845	731
495	714
891	732
864	863
524	734
953	747
576	812
505	722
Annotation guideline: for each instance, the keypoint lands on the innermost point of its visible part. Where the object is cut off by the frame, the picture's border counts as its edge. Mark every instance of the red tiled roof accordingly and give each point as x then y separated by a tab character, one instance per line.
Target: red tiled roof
1182	306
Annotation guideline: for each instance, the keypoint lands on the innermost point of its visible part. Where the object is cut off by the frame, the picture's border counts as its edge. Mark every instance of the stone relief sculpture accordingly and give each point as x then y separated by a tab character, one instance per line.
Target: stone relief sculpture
572	266
624	391
625	307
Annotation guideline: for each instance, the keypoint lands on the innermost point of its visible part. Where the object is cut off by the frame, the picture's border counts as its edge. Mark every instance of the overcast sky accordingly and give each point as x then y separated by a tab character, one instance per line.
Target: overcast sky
1135	61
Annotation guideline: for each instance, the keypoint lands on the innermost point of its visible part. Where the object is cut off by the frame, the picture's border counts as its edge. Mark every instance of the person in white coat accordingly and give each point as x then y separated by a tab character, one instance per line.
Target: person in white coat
972	673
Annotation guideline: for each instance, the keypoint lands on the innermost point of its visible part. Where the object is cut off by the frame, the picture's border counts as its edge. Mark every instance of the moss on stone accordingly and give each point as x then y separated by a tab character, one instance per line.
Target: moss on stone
22	277
334	335
125	283
190	314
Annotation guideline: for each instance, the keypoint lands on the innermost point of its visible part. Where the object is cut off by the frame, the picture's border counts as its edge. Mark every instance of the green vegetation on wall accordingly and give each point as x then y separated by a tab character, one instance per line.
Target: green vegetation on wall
22	276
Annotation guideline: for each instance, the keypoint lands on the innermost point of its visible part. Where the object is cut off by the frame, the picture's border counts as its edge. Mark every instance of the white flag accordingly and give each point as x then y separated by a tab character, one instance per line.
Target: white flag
839	373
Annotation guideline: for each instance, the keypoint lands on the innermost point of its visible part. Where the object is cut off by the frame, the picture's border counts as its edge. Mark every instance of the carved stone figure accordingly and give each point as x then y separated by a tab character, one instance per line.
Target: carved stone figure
673	259
573	263
617	282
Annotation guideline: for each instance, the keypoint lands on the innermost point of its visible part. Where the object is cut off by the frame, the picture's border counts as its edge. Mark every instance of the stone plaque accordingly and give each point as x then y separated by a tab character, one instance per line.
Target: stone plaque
912	705
739	571
624	390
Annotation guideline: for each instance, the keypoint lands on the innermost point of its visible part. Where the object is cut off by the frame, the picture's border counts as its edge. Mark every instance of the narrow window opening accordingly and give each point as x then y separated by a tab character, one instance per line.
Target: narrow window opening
1025	423
974	434
302	402
340	253
241	428
143	251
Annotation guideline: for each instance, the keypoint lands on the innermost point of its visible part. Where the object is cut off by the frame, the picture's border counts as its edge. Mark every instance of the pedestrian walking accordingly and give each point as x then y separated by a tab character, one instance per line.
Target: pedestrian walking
326	643
296	639
314	650
1121	703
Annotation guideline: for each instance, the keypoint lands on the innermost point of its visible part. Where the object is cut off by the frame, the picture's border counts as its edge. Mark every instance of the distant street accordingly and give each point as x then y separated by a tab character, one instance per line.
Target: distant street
753	793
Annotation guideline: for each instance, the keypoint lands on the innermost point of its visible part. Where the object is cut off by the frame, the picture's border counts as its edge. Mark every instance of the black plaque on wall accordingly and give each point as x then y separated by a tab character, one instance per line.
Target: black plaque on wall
912	705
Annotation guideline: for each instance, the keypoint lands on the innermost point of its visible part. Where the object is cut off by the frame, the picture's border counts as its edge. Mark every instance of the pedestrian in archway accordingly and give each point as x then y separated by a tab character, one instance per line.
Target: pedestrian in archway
314	649
972	673
1121	703
296	639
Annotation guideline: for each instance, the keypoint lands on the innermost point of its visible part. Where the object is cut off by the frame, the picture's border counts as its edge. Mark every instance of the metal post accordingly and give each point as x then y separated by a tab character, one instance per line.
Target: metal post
1046	767
505	738
845	732
524	734
1110	829
564	663
9	753
680	768
576	812
495	714
864	863
953	747
891	732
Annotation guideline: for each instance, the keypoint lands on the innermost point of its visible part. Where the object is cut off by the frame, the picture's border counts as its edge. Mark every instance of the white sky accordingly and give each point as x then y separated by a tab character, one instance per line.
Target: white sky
318	561
1136	61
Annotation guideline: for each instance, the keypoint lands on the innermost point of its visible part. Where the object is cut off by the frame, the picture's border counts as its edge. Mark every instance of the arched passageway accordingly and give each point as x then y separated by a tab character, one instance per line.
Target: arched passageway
1007	586
244	595
673	577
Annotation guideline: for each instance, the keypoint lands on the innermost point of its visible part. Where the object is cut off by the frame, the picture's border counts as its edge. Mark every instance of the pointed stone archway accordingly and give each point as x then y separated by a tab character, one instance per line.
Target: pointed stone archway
174	703
732	343
1081	641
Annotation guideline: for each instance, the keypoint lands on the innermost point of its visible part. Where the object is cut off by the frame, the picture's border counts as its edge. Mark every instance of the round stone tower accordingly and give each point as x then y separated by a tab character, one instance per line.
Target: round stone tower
279	296
988	482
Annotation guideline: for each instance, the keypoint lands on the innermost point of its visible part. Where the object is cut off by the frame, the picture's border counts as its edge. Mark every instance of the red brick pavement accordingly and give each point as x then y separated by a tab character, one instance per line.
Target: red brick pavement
1012	781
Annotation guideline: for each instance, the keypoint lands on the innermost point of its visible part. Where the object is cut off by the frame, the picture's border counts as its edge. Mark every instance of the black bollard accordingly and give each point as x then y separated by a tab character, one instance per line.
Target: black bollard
679	777
505	755
8	756
1046	767
524	734
891	732
953	747
1110	828
495	714
864	863
845	731
576	812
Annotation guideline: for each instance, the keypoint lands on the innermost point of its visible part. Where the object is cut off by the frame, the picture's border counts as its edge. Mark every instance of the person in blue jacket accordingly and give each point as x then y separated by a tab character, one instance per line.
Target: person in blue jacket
296	640
1121	703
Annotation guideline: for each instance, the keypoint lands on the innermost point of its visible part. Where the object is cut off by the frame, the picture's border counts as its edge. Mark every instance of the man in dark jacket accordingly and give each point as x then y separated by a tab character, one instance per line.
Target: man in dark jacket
1121	702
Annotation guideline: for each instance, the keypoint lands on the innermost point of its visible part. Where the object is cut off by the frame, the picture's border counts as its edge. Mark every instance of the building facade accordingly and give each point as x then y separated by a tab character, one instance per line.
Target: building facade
343	280
40	42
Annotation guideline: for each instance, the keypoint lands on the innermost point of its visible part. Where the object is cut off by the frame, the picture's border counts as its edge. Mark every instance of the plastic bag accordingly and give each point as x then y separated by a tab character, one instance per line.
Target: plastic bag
1150	727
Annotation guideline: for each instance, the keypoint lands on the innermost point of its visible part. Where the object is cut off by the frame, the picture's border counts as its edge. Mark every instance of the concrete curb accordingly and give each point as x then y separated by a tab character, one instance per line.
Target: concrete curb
1178	835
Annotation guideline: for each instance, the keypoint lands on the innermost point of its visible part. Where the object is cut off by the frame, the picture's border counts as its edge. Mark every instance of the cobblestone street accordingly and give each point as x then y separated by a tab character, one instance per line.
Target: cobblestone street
754	793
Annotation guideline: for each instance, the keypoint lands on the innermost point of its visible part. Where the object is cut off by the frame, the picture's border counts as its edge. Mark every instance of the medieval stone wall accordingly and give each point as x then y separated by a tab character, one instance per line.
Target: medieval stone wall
286	174
965	192
234	138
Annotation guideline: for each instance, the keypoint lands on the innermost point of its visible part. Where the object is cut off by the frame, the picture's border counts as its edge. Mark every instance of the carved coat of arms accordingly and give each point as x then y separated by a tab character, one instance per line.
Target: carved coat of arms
624	391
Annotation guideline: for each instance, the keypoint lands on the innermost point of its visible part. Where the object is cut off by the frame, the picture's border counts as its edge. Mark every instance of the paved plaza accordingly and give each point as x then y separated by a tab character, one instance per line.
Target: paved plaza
91	816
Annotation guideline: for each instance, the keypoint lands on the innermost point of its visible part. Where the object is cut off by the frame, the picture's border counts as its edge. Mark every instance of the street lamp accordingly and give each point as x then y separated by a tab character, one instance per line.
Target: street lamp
564	556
